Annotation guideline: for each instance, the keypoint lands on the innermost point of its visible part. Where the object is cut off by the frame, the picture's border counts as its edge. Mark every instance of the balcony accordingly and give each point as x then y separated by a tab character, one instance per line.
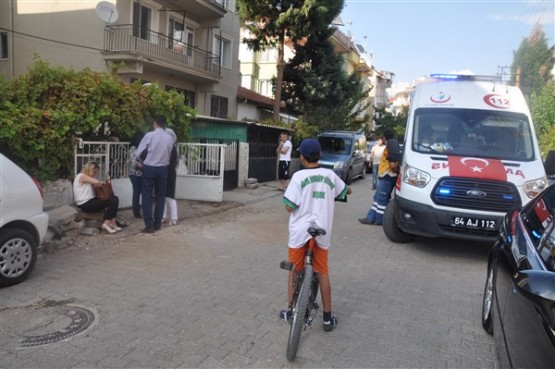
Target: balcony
140	48
199	9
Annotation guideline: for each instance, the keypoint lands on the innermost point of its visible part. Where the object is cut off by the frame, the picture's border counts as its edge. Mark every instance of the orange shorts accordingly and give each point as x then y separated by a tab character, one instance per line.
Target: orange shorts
319	259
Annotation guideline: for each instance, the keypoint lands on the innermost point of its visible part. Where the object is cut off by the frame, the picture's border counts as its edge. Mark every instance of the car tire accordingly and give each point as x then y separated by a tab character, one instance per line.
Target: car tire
349	177
390	228
18	256
487	303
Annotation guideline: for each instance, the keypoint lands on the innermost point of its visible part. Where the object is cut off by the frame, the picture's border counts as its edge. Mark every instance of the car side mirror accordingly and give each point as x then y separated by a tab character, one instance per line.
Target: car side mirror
538	286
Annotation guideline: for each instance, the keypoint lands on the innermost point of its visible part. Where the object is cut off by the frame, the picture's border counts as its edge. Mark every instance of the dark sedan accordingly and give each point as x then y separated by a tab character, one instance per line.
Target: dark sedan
519	297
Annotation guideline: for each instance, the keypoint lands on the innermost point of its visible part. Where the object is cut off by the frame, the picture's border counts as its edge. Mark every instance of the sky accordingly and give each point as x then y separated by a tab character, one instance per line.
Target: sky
415	38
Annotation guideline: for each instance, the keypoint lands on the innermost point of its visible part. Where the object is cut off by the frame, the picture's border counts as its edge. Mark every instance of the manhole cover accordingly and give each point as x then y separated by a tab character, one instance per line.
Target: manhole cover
80	319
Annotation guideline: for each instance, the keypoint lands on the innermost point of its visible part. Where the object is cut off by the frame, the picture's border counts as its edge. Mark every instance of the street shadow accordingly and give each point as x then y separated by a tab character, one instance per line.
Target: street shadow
453	248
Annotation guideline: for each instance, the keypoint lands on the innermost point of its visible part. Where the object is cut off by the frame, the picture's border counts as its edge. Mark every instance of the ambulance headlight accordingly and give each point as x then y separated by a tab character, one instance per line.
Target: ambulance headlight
416	177
535	186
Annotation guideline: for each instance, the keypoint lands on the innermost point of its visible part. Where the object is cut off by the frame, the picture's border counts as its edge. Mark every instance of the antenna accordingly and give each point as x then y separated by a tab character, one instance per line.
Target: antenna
107	12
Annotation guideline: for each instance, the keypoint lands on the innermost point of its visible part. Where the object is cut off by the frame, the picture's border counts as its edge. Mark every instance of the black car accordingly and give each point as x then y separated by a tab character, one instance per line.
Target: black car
519	296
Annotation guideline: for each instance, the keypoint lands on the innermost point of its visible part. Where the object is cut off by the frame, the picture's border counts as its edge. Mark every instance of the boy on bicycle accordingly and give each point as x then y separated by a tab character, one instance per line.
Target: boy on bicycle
310	197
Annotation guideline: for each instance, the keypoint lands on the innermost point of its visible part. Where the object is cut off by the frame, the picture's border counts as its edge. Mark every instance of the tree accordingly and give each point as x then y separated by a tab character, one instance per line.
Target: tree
44	111
542	107
271	22
386	121
532	63
316	84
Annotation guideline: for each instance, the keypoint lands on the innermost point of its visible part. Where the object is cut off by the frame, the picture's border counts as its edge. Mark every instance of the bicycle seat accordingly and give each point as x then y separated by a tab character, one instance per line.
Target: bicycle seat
313	230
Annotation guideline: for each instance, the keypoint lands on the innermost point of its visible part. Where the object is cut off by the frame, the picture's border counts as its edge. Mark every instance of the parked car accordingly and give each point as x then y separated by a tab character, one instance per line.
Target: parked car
344	152
519	296
23	223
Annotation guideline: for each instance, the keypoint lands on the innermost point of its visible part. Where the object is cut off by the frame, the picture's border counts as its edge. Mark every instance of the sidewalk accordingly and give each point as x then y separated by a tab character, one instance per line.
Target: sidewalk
189	210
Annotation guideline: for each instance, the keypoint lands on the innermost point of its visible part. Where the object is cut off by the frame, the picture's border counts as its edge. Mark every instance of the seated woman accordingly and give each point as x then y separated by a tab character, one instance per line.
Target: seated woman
87	201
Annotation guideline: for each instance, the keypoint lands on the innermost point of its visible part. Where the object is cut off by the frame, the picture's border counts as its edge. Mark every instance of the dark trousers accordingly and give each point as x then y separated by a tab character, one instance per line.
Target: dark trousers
381	198
154	180
109	206
136	199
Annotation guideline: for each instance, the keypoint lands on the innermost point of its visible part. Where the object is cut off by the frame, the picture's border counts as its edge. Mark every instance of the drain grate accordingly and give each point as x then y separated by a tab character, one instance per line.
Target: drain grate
81	319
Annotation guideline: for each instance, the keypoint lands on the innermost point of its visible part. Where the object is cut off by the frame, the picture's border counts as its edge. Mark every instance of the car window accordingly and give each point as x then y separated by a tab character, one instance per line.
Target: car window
546	250
538	214
503	135
335	145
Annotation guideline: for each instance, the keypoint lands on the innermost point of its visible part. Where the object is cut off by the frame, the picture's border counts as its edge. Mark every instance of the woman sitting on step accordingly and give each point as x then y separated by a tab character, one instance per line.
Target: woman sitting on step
87	201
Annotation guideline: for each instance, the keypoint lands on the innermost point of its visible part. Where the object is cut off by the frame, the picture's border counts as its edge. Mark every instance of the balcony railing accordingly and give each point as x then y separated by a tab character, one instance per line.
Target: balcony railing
131	39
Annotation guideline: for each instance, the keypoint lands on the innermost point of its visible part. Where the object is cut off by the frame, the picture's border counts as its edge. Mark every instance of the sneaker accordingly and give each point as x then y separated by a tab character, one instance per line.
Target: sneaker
286	315
365	221
330	325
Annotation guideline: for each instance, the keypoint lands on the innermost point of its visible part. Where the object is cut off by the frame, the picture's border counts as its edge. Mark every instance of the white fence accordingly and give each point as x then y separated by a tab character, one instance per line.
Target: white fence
199	172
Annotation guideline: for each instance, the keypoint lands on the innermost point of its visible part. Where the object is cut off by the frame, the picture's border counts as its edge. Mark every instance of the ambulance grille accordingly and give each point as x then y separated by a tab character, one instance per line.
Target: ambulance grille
475	194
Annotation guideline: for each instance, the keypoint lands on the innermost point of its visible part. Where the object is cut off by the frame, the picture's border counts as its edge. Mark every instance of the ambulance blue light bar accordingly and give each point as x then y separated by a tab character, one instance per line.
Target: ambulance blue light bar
464	77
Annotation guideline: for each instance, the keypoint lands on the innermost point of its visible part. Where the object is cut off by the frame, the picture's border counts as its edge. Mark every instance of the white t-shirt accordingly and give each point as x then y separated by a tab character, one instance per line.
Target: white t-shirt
287	155
82	192
378	152
312	194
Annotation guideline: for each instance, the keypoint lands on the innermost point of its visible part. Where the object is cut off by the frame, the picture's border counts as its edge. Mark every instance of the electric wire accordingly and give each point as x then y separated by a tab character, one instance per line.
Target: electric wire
50	40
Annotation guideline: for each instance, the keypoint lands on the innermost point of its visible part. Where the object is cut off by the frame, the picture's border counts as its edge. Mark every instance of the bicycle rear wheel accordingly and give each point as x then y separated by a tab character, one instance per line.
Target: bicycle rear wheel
299	312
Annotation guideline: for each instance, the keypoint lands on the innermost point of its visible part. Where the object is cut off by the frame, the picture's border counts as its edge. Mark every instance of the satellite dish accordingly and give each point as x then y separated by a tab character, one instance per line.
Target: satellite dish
107	12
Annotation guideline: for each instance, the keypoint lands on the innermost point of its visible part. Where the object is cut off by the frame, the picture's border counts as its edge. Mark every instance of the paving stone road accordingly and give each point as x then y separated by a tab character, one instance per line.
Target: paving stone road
206	294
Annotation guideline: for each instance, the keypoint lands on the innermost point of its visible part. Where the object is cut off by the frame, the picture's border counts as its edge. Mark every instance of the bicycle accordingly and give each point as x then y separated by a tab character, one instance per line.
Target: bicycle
303	304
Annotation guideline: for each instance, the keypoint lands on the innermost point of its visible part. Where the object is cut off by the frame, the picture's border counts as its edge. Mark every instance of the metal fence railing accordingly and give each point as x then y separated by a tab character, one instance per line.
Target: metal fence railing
129	38
196	159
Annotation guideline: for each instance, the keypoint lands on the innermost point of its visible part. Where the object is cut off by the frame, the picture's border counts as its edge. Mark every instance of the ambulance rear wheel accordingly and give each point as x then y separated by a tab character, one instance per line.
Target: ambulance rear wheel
390	227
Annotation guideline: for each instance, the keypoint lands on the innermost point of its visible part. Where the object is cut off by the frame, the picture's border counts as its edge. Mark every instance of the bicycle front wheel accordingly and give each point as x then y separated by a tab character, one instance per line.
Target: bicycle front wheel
299	312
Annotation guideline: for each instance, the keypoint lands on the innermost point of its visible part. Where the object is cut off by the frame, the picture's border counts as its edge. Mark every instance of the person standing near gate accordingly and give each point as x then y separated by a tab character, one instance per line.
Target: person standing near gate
284	150
158	144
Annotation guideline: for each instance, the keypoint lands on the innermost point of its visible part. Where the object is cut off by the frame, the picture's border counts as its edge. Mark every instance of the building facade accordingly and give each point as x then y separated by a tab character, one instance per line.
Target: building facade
187	45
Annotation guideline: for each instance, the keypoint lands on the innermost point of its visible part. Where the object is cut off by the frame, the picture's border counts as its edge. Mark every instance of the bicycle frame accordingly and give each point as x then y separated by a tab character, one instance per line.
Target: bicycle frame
303	301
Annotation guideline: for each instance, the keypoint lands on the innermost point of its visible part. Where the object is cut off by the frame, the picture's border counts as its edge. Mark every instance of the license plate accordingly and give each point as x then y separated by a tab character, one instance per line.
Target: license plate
474	223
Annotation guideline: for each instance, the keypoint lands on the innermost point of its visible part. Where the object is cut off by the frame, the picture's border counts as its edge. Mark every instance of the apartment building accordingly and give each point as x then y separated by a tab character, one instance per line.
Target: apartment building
187	45
259	68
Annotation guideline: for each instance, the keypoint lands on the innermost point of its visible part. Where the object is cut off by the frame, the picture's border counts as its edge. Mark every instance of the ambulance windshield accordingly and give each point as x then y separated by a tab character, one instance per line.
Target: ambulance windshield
469	132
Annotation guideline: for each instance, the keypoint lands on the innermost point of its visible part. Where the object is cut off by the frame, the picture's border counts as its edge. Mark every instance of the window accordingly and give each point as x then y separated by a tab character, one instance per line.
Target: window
181	38
141	21
226	4
3	45
245	53
218	107
268	55
188	95
176	35
266	87
479	133
221	48
547	251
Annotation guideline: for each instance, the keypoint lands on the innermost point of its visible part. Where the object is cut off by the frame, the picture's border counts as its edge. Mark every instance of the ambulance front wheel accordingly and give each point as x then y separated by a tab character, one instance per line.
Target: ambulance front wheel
390	227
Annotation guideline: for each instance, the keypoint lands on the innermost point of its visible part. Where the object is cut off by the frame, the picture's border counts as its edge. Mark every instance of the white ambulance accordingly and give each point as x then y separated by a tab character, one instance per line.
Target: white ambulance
470	155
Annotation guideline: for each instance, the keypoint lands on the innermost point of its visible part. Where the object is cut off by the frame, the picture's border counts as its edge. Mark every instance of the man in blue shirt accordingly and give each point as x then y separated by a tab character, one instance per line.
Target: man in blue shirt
158	145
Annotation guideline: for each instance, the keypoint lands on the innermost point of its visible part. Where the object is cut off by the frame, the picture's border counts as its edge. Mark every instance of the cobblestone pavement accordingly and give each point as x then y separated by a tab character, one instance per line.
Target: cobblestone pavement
206	294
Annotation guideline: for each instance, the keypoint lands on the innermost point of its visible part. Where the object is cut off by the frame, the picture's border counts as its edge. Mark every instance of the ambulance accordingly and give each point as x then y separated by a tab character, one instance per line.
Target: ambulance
470	155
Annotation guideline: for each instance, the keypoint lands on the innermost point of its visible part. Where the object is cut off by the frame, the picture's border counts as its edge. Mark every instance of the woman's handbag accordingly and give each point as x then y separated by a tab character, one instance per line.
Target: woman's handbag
104	190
